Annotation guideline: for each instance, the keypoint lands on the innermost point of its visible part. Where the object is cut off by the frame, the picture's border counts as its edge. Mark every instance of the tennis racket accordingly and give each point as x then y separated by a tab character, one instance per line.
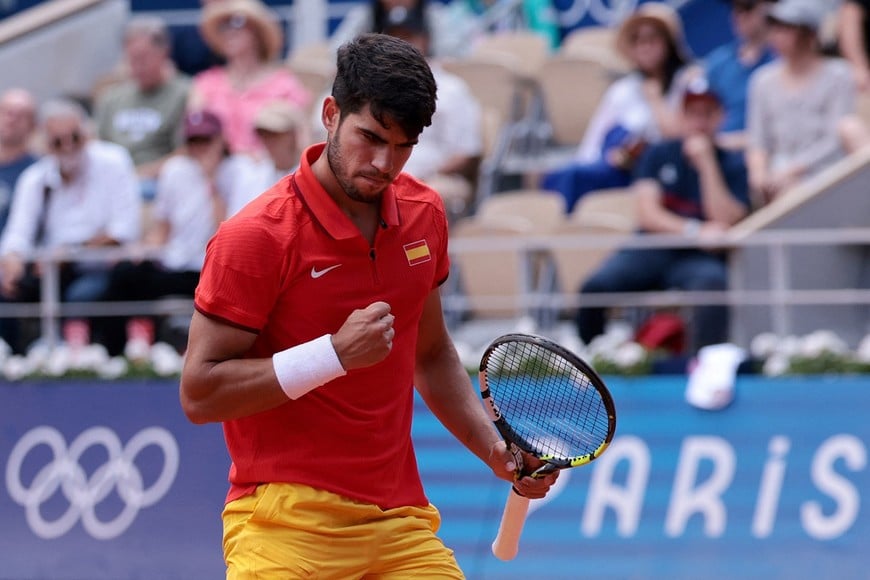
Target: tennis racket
546	401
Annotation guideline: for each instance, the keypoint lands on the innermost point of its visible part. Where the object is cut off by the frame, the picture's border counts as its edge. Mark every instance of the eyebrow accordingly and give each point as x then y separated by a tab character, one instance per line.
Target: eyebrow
372	135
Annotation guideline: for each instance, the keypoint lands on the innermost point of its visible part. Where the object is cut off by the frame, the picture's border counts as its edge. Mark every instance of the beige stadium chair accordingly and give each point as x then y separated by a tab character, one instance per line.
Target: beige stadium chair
492	277
597	42
505	99
522	50
609	214
571	89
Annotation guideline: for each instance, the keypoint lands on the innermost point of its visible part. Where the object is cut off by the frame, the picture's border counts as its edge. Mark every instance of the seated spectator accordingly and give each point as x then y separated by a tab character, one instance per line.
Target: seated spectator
17	125
82	194
376	15
249	36
729	67
448	152
689	187
283	130
853	39
144	113
192	192
801	106
637	110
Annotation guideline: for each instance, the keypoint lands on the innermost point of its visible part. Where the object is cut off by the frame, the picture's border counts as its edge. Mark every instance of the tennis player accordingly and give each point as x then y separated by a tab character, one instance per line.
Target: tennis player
317	314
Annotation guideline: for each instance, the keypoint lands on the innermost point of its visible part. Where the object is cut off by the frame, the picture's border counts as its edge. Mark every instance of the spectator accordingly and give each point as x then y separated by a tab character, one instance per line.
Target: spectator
283	130
191	201
729	67
447	154
376	15
249	36
636	110
801	106
190	53
144	113
17	125
689	187
83	193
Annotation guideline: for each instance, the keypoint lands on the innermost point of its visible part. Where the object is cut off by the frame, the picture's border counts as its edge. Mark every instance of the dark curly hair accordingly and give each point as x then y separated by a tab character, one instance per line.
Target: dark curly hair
390	76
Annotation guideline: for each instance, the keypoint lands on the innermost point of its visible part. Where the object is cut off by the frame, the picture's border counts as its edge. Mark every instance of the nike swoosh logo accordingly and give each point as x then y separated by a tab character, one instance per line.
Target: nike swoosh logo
315	273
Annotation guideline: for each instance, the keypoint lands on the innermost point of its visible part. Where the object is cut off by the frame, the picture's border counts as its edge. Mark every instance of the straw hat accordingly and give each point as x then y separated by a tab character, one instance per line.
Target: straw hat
253	13
278	117
661	15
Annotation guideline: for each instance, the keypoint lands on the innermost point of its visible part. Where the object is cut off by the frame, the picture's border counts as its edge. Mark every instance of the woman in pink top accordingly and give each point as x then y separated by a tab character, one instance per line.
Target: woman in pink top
249	37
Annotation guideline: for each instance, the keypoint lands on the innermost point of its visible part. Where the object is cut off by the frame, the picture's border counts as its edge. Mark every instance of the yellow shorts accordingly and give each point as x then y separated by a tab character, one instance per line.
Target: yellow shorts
291	531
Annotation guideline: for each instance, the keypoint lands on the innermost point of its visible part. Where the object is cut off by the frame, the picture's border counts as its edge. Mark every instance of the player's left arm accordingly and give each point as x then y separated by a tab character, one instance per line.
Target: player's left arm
445	386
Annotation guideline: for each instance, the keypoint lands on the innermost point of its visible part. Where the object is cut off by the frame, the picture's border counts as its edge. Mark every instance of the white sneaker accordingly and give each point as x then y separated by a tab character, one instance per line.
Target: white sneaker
711	381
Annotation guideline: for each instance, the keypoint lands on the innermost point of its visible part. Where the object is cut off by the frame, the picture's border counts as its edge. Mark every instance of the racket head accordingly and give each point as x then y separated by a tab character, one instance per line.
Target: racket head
546	400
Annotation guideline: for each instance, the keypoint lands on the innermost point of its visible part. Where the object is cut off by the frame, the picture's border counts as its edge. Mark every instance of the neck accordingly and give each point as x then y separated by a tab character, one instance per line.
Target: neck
801	62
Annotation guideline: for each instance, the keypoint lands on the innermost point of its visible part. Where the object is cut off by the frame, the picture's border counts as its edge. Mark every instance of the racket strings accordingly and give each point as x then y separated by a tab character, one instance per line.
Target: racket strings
550	404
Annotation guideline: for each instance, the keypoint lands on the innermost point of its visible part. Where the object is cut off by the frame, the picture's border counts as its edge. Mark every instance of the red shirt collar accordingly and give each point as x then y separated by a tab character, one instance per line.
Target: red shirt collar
323	207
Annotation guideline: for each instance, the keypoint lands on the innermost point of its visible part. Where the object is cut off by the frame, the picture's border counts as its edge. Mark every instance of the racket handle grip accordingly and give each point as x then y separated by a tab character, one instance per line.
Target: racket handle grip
507	541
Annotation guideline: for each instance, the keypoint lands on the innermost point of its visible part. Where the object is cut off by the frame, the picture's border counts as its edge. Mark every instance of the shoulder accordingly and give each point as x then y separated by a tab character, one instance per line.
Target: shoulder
177	165
211	77
721	56
837	68
267	226
412	191
766	74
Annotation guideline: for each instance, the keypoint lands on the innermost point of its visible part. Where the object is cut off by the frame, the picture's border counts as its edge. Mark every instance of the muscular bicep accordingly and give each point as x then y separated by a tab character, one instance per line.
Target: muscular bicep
213	341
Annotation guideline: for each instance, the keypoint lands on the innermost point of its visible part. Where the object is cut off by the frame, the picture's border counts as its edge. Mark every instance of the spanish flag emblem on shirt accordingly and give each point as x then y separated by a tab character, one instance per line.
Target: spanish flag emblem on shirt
417	252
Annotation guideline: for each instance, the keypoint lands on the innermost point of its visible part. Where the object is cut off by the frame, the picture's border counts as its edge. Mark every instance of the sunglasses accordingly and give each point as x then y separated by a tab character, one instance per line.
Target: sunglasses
234	22
58	142
199	140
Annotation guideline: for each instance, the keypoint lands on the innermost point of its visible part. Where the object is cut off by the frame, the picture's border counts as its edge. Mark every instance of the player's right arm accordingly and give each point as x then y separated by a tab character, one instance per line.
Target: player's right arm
219	384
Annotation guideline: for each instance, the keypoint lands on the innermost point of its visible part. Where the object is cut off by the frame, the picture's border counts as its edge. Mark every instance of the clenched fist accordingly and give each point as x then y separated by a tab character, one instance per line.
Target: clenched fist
366	337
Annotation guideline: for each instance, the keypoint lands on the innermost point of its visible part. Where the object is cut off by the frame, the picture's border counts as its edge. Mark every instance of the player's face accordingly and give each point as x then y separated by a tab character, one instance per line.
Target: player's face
364	155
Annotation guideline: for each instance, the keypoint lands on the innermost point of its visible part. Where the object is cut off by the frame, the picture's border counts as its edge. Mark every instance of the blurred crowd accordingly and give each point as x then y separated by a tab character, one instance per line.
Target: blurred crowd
191	127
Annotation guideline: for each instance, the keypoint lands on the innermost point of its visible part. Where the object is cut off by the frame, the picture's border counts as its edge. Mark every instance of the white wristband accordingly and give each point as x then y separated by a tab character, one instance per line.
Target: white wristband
305	367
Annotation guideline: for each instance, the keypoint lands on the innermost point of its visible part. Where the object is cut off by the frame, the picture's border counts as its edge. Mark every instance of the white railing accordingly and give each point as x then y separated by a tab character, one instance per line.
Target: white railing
530	298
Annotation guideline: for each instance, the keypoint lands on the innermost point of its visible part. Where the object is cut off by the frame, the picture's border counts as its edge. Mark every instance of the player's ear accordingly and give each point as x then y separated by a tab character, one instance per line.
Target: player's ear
330	114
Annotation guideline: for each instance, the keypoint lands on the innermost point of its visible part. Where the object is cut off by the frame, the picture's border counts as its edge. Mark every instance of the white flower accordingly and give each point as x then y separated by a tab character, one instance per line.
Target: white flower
776	365
863	352
59	362
113	368
93	356
137	350
820	342
16	367
764	345
629	354
165	359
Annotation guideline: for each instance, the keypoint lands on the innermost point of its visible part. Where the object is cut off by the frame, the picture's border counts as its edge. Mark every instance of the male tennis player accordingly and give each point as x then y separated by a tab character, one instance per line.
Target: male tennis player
316	315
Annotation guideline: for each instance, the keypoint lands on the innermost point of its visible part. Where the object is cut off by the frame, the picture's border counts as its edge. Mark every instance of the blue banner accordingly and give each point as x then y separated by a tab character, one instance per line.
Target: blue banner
109	480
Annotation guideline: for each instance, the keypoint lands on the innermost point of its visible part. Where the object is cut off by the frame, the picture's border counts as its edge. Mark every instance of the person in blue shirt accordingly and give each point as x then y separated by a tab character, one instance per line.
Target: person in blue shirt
729	67
688	187
17	124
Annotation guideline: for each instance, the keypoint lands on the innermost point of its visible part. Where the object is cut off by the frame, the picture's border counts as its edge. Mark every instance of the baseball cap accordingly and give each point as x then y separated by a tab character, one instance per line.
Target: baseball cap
699	89
805	13
278	117
201	124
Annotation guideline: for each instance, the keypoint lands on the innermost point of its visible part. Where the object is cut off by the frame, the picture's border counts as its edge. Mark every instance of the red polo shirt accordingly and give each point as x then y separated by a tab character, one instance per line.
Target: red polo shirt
291	267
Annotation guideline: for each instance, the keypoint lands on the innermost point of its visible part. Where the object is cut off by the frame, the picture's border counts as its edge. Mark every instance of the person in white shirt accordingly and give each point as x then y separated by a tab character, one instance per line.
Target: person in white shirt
448	152
83	194
282	128
192	196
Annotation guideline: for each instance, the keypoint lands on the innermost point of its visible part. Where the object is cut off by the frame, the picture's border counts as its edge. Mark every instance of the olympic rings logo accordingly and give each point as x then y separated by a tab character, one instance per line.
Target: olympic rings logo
84	493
